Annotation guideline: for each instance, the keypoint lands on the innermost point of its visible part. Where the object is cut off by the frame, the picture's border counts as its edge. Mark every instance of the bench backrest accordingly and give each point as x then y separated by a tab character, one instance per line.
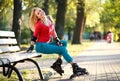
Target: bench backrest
8	42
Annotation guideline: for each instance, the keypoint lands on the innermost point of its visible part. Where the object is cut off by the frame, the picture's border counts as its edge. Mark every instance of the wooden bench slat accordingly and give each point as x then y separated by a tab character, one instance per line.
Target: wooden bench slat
19	56
9	48
5	60
7	34
8	41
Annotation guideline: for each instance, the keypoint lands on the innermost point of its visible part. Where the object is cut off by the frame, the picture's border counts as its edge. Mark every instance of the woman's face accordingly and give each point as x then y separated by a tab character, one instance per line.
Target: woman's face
39	13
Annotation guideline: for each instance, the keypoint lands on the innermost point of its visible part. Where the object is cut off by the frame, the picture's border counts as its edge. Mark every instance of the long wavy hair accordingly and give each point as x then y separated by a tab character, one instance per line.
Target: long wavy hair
33	19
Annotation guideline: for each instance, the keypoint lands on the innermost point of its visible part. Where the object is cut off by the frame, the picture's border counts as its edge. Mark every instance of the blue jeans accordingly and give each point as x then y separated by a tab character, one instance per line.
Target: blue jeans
53	48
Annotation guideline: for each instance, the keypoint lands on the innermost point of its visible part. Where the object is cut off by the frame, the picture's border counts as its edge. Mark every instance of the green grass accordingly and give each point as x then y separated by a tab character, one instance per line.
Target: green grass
14	76
75	50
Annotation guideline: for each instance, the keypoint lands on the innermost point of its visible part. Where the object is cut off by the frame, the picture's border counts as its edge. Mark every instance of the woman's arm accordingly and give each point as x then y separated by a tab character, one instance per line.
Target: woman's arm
54	34
56	38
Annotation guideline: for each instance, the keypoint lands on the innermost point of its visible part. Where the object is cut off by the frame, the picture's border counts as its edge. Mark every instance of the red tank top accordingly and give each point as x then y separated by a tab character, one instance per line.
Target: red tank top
43	32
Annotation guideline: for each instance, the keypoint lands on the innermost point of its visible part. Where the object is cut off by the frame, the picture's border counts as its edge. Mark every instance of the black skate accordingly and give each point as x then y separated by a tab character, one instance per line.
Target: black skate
78	71
57	66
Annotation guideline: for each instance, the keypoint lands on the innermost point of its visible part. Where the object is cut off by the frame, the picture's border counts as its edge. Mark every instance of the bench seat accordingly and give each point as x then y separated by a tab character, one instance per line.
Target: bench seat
17	56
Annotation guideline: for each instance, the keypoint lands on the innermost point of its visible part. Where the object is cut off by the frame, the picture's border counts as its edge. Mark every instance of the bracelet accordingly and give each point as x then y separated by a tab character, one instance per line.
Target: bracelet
57	39
33	38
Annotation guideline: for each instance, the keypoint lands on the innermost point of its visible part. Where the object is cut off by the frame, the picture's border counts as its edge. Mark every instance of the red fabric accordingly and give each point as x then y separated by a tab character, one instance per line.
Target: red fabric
43	32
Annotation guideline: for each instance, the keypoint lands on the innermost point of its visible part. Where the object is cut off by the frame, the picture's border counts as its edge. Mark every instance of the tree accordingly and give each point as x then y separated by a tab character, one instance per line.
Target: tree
70	18
5	14
46	6
60	17
78	30
110	17
17	19
1	14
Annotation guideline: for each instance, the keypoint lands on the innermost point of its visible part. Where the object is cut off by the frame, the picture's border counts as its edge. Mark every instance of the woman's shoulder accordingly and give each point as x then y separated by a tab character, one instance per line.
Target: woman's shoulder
39	22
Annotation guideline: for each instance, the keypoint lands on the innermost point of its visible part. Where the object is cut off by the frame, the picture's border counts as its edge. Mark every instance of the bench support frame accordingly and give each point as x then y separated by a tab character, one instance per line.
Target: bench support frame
9	68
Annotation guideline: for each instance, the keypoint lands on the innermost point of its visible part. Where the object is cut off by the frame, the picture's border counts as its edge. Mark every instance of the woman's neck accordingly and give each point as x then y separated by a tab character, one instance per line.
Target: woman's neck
46	21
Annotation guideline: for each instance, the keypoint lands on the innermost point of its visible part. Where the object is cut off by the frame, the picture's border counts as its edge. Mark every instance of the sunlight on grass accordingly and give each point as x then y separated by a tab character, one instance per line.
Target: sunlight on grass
28	75
14	76
75	50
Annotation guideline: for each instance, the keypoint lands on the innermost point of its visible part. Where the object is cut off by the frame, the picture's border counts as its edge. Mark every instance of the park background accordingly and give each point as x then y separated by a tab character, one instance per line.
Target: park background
74	20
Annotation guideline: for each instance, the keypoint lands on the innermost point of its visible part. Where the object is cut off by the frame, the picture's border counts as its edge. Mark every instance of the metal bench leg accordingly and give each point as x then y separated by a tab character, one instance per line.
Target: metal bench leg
16	70
11	70
33	61
8	68
39	70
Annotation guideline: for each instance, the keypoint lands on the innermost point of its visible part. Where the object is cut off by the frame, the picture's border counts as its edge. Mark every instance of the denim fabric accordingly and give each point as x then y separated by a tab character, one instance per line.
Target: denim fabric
53	48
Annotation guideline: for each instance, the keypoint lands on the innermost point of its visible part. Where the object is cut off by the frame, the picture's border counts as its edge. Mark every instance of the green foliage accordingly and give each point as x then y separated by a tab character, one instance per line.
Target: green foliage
93	9
52	9
25	35
5	14
32	3
70	15
110	17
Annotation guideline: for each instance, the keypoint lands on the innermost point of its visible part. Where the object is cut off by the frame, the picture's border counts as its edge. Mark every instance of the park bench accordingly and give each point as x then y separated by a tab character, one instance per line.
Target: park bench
11	54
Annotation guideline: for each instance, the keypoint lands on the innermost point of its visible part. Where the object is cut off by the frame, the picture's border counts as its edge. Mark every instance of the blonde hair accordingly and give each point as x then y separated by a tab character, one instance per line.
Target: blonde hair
33	19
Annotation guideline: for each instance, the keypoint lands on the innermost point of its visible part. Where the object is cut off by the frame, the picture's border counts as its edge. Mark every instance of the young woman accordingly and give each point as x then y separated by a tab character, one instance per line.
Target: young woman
43	28
109	37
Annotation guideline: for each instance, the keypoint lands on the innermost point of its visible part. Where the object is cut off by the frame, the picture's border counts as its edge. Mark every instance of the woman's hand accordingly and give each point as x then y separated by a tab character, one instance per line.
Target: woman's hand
33	40
58	41
30	49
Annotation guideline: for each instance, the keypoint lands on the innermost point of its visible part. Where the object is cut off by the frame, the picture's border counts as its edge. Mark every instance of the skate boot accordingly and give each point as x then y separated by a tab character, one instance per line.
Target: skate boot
77	71
57	66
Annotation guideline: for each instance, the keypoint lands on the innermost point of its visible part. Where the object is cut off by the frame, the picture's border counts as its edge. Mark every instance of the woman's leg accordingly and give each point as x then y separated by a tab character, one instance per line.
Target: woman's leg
53	48
64	43
50	48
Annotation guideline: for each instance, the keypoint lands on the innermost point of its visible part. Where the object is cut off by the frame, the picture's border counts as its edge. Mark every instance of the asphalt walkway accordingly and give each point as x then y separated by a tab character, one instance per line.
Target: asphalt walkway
102	60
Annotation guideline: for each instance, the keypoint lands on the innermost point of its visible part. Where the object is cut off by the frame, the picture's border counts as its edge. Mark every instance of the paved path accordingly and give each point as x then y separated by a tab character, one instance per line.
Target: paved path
102	60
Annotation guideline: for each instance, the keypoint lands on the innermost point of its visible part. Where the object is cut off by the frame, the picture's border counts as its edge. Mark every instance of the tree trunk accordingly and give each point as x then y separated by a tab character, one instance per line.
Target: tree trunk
60	17
84	22
46	6
69	33
16	19
78	30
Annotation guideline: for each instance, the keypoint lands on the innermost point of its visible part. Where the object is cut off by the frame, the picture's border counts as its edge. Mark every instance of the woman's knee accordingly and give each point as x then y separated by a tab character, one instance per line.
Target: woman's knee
65	54
64	43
